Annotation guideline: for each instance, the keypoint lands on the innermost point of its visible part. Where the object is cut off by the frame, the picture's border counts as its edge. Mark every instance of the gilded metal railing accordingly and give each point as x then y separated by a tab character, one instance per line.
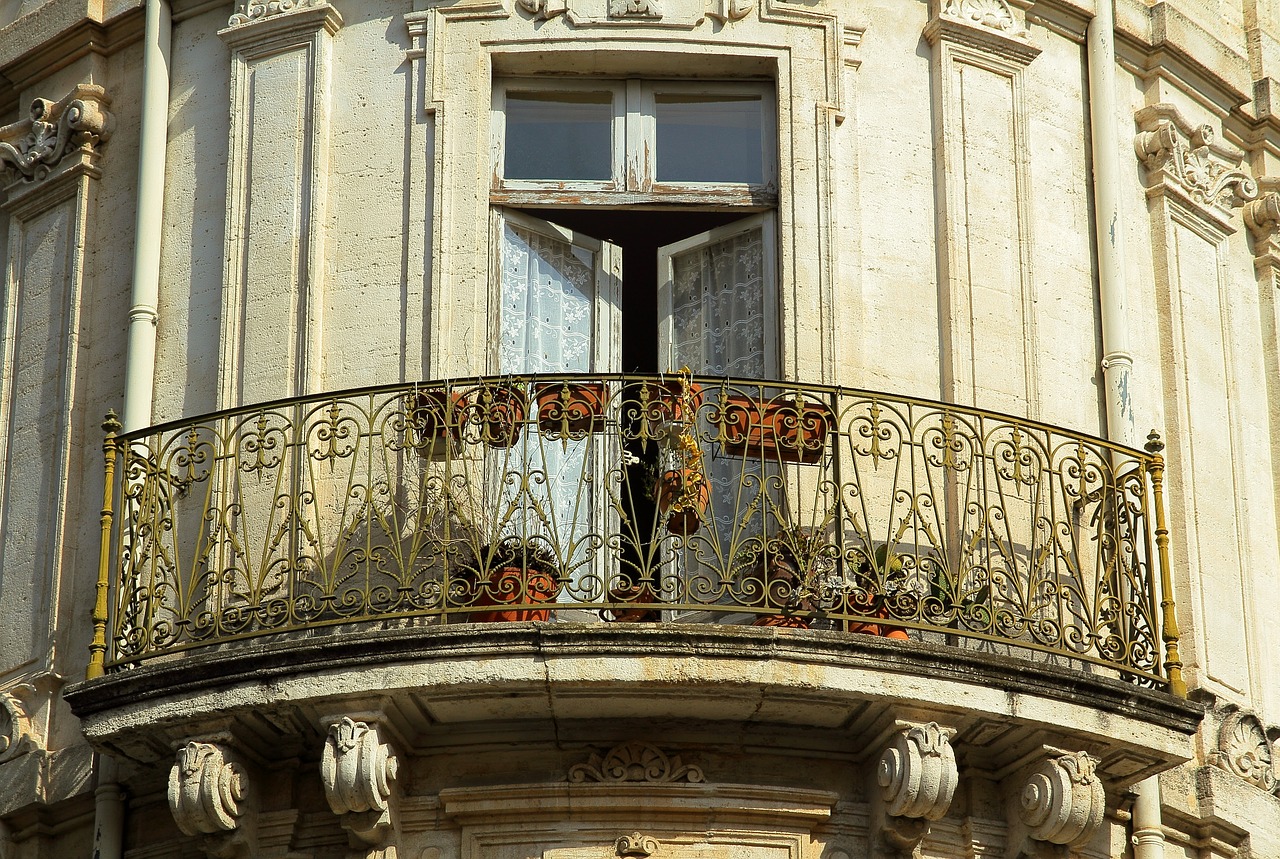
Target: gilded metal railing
637	499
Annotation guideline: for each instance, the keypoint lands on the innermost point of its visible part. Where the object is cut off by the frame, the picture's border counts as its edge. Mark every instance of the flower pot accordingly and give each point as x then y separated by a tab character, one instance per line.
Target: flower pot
776	430
516	585
872	606
684	496
571	409
780	581
784	621
502	412
435	419
637	593
666	401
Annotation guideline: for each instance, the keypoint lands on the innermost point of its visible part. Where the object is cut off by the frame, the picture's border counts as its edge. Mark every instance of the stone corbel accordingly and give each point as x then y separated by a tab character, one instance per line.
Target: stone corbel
210	797
991	26
359	770
58	134
1056	805
915	781
1189	161
1262	217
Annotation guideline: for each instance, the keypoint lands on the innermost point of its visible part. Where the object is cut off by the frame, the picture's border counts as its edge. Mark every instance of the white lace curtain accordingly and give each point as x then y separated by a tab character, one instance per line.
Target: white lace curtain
718	308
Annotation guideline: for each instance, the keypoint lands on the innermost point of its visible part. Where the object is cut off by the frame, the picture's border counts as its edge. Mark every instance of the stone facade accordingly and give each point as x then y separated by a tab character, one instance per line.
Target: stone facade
332	202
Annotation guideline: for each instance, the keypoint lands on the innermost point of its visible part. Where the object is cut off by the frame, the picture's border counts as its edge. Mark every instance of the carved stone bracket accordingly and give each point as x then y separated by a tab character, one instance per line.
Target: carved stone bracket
1187	159
358	769
916	779
1060	804
255	10
57	130
209	797
635	762
1262	217
636	844
1244	750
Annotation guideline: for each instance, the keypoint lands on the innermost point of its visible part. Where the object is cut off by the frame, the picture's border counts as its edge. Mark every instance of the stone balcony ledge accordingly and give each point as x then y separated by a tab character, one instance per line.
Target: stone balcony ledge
535	680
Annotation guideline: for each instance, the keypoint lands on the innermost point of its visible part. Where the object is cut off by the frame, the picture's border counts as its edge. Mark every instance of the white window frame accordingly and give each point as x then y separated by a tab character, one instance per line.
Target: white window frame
635	146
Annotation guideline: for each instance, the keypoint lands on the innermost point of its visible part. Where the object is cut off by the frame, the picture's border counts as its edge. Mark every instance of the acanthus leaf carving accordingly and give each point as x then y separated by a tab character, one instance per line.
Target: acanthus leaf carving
32	148
1244	750
1189	157
254	10
635	762
358	769
916	779
1061	802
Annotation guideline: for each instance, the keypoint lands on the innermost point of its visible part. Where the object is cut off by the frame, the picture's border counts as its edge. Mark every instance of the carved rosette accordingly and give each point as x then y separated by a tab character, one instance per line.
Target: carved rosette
1244	751
256	10
207	789
357	768
1062	800
917	772
635	762
76	125
1190	159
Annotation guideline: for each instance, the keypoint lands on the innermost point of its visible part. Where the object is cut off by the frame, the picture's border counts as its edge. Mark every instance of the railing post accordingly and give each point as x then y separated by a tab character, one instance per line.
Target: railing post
98	647
1168	618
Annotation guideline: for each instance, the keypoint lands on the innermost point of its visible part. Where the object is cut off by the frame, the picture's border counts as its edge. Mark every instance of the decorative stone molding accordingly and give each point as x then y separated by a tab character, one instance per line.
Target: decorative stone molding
1262	217
992	26
635	762
634	9
24	714
725	11
358	769
255	10
15	728
636	844
1060	805
916	779
208	795
57	130
1187	159
1244	750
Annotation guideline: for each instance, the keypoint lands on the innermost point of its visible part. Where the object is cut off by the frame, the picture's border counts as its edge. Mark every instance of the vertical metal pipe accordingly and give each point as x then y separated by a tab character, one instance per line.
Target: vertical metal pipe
140	363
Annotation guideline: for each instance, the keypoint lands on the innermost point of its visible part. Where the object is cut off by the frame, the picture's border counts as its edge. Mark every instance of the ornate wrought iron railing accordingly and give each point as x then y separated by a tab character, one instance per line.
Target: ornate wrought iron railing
635	499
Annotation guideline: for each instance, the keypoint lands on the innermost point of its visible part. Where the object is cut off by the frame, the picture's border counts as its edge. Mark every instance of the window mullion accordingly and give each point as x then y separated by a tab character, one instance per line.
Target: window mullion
639	138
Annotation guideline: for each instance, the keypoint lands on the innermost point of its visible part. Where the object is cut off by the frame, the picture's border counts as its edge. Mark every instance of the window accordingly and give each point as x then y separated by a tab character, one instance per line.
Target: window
633	230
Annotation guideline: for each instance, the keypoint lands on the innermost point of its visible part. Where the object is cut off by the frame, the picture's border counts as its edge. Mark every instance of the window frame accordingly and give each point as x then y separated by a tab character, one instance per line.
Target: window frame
634	171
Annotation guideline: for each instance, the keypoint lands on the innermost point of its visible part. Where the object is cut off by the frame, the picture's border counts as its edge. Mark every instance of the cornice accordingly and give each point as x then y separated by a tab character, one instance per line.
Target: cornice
39	44
991	26
278	22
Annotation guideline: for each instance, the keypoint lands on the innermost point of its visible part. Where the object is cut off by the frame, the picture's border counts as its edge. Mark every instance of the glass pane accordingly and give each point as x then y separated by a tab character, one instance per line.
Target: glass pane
559	135
709	138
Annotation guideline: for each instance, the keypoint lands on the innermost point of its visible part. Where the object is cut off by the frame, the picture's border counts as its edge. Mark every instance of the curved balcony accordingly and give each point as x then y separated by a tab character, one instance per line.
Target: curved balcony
628	499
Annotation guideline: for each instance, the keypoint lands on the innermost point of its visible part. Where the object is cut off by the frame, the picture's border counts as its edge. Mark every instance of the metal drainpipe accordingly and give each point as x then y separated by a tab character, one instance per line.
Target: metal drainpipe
140	363
1117	361
140	359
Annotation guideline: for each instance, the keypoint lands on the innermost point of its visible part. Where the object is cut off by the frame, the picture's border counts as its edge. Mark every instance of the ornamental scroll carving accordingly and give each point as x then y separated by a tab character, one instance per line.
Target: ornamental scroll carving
255	10
1244	750
76	125
916	780
993	14
635	762
1061	803
1189	158
1262	216
208	795
635	9
636	844
357	768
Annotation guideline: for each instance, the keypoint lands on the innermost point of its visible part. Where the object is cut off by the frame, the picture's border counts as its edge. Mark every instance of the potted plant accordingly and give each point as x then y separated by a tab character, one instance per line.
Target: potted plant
435	419
781	430
683	490
633	594
868	594
787	572
571	409
501	411
518	573
668	399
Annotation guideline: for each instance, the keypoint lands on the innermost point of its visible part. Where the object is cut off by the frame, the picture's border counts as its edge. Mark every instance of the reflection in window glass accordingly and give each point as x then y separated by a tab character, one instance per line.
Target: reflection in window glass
709	138
559	135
